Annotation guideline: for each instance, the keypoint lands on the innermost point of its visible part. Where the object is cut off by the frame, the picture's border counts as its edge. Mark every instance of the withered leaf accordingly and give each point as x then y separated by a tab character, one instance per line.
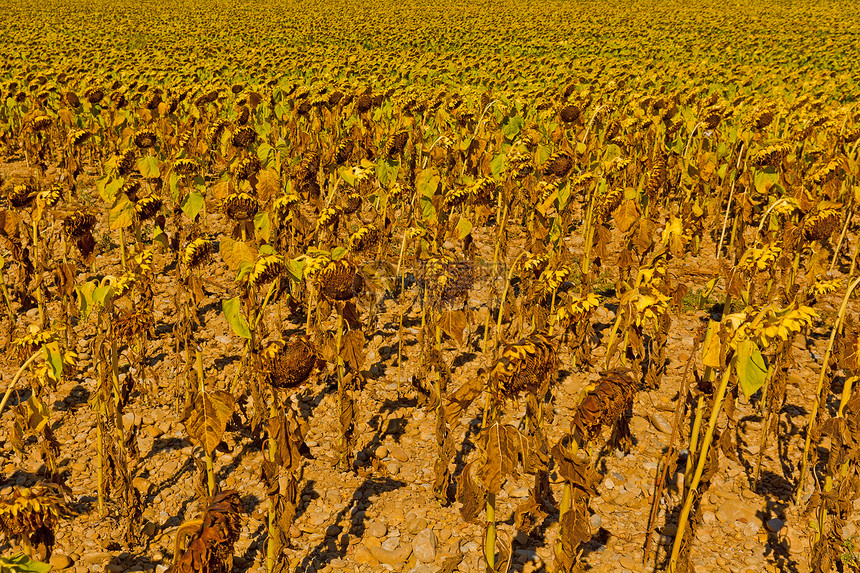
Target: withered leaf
528	515
235	253
471	495
453	323
626	215
65	278
206	416
462	398
499	458
352	349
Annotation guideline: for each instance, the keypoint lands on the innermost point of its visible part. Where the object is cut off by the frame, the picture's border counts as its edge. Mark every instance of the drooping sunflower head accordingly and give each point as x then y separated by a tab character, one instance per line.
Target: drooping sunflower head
240	206
821	225
147	208
569	113
33	513
52	195
364	239
145	138
244	137
197	253
248	167
125	162
266	269
41	123
21	195
94	94
78	137
329	217
287	364
337	280
558	164
185	167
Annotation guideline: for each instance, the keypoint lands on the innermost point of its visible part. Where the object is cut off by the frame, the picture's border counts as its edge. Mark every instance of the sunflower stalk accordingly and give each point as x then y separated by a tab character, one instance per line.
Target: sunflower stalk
813	415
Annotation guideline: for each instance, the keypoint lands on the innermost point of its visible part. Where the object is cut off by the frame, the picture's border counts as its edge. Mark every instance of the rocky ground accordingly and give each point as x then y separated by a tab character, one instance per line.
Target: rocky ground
389	519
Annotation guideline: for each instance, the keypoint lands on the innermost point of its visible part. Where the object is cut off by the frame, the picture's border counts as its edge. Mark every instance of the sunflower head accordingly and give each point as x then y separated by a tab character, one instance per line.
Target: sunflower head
197	253
240	206
147	208
244	137
145	138
337	280
22	195
364	239
185	167
266	269
248	167
287	364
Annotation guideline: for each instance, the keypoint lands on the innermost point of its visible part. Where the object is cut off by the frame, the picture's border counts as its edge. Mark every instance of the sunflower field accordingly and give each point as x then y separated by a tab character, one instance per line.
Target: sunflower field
429	286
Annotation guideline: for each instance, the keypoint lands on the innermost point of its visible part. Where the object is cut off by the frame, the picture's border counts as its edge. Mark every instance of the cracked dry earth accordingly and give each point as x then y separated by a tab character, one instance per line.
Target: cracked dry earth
389	518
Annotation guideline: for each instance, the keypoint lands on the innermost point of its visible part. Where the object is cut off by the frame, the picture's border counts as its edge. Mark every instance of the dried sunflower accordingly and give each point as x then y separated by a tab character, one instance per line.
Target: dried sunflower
145	138
240	206
197	253
22	195
147	208
288	364
364	239
337	280
185	167
266	269
244	137
530	364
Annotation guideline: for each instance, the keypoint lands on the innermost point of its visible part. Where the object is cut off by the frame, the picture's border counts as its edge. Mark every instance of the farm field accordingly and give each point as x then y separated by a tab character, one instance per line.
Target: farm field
429	286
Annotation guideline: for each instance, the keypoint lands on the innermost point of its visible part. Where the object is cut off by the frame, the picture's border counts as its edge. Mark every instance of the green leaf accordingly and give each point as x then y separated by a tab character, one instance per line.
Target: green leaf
464	227
85	298
262	227
295	269
512	127
108	191
148	167
102	294
711	347
427	182
159	236
22	564
173	182
54	358
193	204
338	253
265	153
232	308
765	179
122	213
497	165
428	211
750	367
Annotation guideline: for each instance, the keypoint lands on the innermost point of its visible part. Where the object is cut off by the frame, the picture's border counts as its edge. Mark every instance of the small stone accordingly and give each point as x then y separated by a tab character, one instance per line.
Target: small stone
660	423
59	562
416	525
96	558
774	525
332	531
424	546
395	558
363	556
376	529
399	453
628	563
596	521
